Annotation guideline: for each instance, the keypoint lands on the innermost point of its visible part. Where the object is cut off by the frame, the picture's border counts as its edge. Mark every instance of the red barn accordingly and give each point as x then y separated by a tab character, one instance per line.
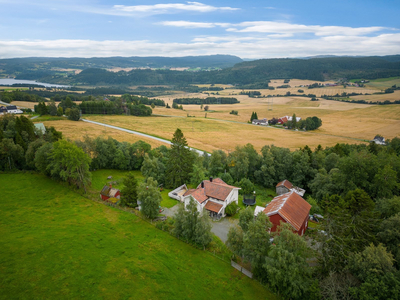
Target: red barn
109	192
283	120
289	208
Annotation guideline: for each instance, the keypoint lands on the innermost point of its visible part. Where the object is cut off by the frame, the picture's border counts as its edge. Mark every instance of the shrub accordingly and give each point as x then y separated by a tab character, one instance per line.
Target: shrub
231	209
234	112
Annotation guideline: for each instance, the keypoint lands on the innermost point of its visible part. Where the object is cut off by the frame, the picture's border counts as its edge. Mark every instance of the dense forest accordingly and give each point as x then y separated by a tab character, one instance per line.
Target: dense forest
32	67
208	100
255	73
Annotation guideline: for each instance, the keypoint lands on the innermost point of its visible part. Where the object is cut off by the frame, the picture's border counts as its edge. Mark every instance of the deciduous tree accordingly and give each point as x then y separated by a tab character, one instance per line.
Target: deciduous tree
150	197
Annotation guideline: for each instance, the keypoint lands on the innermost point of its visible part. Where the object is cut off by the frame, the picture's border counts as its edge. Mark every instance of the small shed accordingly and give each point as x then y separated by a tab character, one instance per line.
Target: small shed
286	186
109	192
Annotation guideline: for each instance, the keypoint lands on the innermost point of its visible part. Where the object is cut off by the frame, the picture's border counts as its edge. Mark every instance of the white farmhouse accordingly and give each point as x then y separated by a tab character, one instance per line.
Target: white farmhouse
212	195
12	109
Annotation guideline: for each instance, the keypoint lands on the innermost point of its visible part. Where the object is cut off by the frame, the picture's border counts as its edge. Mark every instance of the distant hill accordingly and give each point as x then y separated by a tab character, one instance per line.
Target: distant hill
28	68
244	72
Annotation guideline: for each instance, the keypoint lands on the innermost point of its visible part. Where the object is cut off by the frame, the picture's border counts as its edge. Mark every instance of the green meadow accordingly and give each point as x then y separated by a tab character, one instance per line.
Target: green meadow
56	244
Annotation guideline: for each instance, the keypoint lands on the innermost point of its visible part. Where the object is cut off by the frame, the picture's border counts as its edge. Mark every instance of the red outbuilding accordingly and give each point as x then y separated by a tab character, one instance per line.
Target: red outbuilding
289	208
109	192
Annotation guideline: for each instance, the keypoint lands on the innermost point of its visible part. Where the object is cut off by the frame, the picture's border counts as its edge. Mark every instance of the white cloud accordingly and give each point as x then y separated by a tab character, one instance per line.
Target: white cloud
188	24
249	47
288	28
169	8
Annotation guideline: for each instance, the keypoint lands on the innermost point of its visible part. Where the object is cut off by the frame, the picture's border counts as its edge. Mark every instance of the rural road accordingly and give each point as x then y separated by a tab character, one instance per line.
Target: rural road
137	133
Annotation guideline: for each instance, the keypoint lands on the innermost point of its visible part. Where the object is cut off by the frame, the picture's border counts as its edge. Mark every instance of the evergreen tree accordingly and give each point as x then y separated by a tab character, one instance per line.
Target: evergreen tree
180	161
129	191
294	121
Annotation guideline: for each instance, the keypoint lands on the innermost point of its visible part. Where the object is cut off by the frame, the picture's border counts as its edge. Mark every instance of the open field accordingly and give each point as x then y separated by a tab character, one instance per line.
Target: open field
12	88
209	134
383	83
77	130
99	179
380	97
56	244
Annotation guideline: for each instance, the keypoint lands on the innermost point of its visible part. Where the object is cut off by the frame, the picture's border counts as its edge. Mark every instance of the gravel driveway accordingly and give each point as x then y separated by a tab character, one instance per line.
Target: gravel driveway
221	228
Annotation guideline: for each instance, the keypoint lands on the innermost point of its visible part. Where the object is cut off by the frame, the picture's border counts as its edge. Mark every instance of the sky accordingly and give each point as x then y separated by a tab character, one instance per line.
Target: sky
248	29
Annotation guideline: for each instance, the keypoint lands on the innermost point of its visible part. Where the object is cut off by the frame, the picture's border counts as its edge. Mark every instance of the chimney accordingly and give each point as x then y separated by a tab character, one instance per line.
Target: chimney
211	179
202	184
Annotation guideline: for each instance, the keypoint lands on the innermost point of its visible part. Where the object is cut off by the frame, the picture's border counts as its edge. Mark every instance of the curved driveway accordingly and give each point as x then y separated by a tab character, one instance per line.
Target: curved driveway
137	133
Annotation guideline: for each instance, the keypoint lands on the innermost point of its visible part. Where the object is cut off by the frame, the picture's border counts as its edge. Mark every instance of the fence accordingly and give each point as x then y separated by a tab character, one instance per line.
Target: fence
241	269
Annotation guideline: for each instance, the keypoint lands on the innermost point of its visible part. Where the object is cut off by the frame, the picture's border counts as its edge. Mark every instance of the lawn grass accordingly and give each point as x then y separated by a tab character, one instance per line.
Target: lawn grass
263	196
166	200
56	244
99	179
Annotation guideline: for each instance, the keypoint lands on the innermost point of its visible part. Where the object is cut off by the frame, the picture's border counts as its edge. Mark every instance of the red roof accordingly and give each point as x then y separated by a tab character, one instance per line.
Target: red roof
285	183
198	194
217	189
291	207
212	206
283	120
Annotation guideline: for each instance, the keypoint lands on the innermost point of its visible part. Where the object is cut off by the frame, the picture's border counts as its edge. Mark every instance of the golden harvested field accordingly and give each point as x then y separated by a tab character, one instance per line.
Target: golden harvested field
31	105
209	135
77	130
380	98
24	104
342	122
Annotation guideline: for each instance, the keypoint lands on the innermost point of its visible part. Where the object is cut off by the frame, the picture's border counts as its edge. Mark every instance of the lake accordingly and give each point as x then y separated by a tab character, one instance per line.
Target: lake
11	81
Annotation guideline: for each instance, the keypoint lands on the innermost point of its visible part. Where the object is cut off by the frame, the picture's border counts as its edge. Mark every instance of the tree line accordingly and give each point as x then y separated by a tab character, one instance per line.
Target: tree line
208	100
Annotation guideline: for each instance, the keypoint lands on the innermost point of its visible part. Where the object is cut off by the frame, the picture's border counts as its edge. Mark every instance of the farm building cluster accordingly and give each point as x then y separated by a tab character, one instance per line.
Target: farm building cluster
10	109
213	195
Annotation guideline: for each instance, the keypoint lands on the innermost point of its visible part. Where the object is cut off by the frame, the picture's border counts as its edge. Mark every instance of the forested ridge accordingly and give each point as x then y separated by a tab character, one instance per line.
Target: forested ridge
243	73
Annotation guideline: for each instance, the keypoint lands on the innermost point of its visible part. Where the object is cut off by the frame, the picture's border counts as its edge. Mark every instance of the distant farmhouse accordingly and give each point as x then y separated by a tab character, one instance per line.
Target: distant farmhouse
11	109
286	186
288	208
285	119
212	195
263	122
379	140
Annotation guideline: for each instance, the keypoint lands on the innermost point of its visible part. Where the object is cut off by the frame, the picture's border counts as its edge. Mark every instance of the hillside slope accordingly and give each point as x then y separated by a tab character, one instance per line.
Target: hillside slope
56	244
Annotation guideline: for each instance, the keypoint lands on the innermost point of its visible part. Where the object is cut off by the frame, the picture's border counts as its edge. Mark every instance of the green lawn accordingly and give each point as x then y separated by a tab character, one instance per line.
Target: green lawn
99	179
263	196
56	244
